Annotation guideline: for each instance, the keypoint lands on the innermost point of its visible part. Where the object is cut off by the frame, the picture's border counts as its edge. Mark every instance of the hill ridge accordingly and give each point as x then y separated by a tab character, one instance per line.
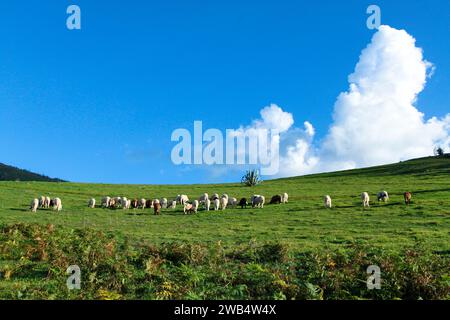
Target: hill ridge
416	166
11	173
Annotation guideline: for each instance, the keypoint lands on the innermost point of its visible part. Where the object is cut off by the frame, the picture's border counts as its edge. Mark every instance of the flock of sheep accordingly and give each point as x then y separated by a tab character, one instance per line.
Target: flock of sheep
365	199
45	203
215	202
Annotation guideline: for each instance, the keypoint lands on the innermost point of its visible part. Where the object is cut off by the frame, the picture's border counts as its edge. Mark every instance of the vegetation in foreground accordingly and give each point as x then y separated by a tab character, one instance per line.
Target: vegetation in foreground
34	260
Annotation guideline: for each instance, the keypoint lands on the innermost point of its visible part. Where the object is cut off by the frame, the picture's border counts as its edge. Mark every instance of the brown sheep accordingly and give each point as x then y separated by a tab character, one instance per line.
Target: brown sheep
134	203
407	196
157	208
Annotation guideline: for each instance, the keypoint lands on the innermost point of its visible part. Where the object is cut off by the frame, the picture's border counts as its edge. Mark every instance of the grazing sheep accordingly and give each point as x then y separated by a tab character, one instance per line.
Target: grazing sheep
34	205
284	198
123	202
47	202
118	201
258	201
173	205
112	203
216	204
126	203
91	203
156	207
233	202
142	203
57	204
224	202
276	199
383	196
195	205
327	201
149	204
42	202
365	199
135	203
203	198
188	208
163	202
106	201
182	199
207	204
253	197
243	203
214	196
407	196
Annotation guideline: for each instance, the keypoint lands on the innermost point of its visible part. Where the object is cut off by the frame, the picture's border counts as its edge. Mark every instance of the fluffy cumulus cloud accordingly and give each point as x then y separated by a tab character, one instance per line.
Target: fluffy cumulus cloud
375	121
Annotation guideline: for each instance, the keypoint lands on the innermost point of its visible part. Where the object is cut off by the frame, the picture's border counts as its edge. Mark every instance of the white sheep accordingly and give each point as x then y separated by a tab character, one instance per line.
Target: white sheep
42	202
383	196
203	198
91	203
106	201
47	202
214	196
224	201
195	205
123	202
216	204
233	202
258	201
118	201
207	204
163	202
284	198
34	205
365	199
57	204
327	201
182	199
253	197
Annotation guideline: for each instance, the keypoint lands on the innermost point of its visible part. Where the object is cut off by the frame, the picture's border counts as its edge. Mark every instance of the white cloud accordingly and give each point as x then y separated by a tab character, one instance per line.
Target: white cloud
273	117
374	122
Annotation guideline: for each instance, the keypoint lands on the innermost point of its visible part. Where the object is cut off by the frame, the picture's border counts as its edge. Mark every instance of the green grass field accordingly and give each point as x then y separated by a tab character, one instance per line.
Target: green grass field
303	223
303	226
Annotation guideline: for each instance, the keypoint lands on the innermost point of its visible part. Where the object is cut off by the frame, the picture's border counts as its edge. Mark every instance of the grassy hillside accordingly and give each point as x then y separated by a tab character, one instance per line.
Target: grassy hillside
302	223
236	253
10	173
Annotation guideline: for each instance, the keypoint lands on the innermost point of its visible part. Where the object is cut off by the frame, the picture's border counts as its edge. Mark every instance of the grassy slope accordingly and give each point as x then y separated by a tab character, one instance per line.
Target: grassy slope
303	223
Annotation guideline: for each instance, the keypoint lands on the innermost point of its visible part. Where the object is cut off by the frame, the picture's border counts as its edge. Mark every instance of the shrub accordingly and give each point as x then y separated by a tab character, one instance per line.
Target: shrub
251	178
34	258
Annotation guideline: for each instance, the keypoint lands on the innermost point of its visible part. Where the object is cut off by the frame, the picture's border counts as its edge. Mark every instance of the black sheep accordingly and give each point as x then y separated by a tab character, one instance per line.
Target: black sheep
275	199
243	203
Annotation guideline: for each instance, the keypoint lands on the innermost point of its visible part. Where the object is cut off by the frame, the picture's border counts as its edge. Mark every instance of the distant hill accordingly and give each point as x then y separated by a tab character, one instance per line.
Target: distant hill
10	173
421	166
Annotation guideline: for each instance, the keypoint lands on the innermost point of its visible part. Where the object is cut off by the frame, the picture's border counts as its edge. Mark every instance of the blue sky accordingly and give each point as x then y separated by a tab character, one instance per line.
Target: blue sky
99	104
